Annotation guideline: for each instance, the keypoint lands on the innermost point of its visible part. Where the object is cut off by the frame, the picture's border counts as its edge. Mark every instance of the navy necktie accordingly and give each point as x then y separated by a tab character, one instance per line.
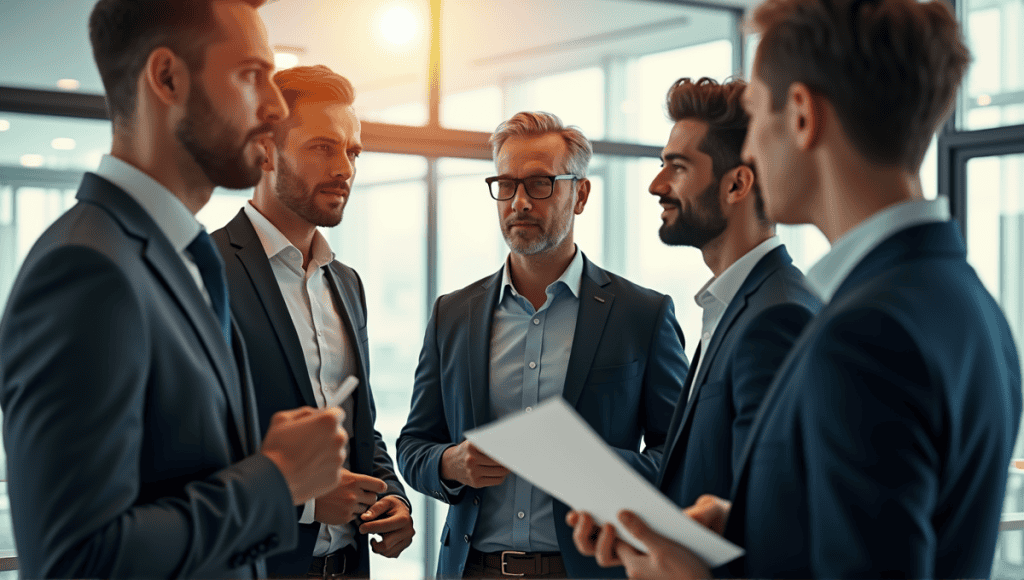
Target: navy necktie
211	268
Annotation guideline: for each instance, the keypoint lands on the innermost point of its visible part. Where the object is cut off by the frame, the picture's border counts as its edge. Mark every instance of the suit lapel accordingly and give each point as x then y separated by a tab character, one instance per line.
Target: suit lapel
675	430
256	264
167	265
481	316
363	441
595	305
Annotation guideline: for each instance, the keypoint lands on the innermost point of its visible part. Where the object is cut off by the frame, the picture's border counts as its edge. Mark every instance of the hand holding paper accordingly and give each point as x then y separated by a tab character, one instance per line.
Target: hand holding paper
554	449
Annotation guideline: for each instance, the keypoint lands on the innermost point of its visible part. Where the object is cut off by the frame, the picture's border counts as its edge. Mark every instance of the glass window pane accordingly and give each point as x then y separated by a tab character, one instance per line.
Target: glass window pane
993	94
470	244
560	94
995	247
42	48
34	141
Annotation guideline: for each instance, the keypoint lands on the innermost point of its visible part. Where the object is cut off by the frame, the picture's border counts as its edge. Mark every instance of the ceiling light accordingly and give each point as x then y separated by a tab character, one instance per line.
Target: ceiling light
398	25
984	100
63	143
68	84
283	60
4	124
32	160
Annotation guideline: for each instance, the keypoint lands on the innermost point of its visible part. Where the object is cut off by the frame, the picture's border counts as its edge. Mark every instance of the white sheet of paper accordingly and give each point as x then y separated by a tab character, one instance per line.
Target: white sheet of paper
554	449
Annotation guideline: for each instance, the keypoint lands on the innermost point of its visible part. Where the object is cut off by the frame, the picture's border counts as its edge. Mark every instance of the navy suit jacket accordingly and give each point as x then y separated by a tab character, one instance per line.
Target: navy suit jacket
757	329
280	375
129	423
881	448
626	368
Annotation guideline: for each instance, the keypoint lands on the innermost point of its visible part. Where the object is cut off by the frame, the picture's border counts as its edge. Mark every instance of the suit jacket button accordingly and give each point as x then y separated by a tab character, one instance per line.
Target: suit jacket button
476	500
466	537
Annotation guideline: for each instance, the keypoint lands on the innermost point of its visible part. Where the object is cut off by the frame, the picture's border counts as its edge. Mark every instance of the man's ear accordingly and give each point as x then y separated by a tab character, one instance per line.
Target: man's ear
582	195
737	184
167	77
805	115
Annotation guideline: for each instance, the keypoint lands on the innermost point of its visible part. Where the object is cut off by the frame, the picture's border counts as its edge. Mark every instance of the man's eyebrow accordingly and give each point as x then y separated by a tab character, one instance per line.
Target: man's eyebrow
676	157
256	61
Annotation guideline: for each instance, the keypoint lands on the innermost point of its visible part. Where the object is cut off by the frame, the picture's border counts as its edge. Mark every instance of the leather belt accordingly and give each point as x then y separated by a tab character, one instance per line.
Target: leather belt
341	563
513	563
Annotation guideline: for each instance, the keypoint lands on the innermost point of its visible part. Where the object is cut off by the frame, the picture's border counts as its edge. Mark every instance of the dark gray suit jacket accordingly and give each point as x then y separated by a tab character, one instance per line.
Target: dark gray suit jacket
626	368
280	377
130	427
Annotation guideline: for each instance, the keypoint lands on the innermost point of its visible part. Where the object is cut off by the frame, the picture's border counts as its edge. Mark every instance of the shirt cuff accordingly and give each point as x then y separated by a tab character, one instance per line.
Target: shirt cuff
452	490
308	512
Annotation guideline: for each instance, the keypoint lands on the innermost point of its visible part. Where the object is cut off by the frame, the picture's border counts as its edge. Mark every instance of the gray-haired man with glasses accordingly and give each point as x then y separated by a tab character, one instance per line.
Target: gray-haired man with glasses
549	323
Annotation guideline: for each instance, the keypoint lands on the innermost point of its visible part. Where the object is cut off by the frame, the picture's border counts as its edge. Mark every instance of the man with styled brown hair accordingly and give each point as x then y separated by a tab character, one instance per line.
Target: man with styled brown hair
303	314
881	448
754	306
129	418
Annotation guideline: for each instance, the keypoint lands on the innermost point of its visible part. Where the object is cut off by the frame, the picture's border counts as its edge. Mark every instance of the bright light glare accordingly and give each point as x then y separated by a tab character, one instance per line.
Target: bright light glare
984	100
68	84
398	25
32	160
63	143
283	60
4	124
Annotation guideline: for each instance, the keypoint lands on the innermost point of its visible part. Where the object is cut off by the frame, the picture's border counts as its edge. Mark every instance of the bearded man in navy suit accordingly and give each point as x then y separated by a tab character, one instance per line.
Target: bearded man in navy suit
881	448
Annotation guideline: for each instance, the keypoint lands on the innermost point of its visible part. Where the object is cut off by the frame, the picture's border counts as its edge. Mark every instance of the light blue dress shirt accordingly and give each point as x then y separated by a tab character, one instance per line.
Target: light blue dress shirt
529	360
829	272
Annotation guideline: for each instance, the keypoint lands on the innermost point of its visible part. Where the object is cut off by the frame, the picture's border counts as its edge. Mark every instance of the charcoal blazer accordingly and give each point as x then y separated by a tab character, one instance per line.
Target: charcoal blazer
129	423
280	375
709	428
881	448
625	371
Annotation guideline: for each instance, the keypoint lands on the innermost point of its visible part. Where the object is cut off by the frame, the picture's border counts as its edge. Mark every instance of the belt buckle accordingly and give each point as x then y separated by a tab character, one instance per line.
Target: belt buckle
505	563
327	565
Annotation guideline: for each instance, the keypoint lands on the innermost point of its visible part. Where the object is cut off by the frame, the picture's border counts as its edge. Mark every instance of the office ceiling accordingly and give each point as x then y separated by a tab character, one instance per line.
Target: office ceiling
484	42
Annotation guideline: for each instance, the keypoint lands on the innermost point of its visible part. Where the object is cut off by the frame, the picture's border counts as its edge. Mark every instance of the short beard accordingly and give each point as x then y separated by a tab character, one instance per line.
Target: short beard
544	242
215	146
293	194
703	223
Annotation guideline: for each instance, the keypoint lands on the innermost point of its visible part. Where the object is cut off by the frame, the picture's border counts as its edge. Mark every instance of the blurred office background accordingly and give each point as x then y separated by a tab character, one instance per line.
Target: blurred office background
433	78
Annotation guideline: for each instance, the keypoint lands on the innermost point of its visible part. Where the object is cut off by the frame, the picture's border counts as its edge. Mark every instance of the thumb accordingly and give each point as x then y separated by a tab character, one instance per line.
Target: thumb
371	483
378	509
640	530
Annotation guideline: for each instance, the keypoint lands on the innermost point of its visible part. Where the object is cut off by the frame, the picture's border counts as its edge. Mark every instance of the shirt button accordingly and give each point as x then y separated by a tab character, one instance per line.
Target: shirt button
536	321
521	515
529	409
533	365
707	336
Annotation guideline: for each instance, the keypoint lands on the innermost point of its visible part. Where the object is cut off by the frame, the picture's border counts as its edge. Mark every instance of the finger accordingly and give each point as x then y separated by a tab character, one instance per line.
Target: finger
370	483
381	507
571	518
632	559
382	526
604	549
641	530
584	534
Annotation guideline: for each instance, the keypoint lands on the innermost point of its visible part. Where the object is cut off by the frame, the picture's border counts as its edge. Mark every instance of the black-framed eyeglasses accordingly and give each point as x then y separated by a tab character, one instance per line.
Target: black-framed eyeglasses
537	186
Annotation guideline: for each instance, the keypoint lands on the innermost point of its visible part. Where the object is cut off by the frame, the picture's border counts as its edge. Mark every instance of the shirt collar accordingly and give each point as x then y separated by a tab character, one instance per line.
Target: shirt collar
571	278
830	271
724	287
274	242
170	214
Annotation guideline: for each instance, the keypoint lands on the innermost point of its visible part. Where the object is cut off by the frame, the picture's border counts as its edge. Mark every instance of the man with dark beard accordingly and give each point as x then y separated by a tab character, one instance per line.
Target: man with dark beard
549	323
303	314
755	305
129	417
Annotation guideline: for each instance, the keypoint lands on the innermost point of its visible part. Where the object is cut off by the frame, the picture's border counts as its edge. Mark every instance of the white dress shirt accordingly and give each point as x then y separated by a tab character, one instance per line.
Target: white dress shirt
325	345
174	219
714	297
830	271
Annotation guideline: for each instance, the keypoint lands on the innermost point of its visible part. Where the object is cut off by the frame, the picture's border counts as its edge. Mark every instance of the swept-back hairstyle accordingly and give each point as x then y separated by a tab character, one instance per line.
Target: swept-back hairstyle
890	68
123	33
536	124
311	83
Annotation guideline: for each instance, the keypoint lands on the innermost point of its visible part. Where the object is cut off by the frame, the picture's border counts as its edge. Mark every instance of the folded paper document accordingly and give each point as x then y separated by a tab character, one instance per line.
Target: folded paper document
555	450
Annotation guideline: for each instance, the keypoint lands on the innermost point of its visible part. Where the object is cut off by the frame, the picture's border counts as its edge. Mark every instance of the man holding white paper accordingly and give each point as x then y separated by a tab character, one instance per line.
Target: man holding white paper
303	315
549	323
